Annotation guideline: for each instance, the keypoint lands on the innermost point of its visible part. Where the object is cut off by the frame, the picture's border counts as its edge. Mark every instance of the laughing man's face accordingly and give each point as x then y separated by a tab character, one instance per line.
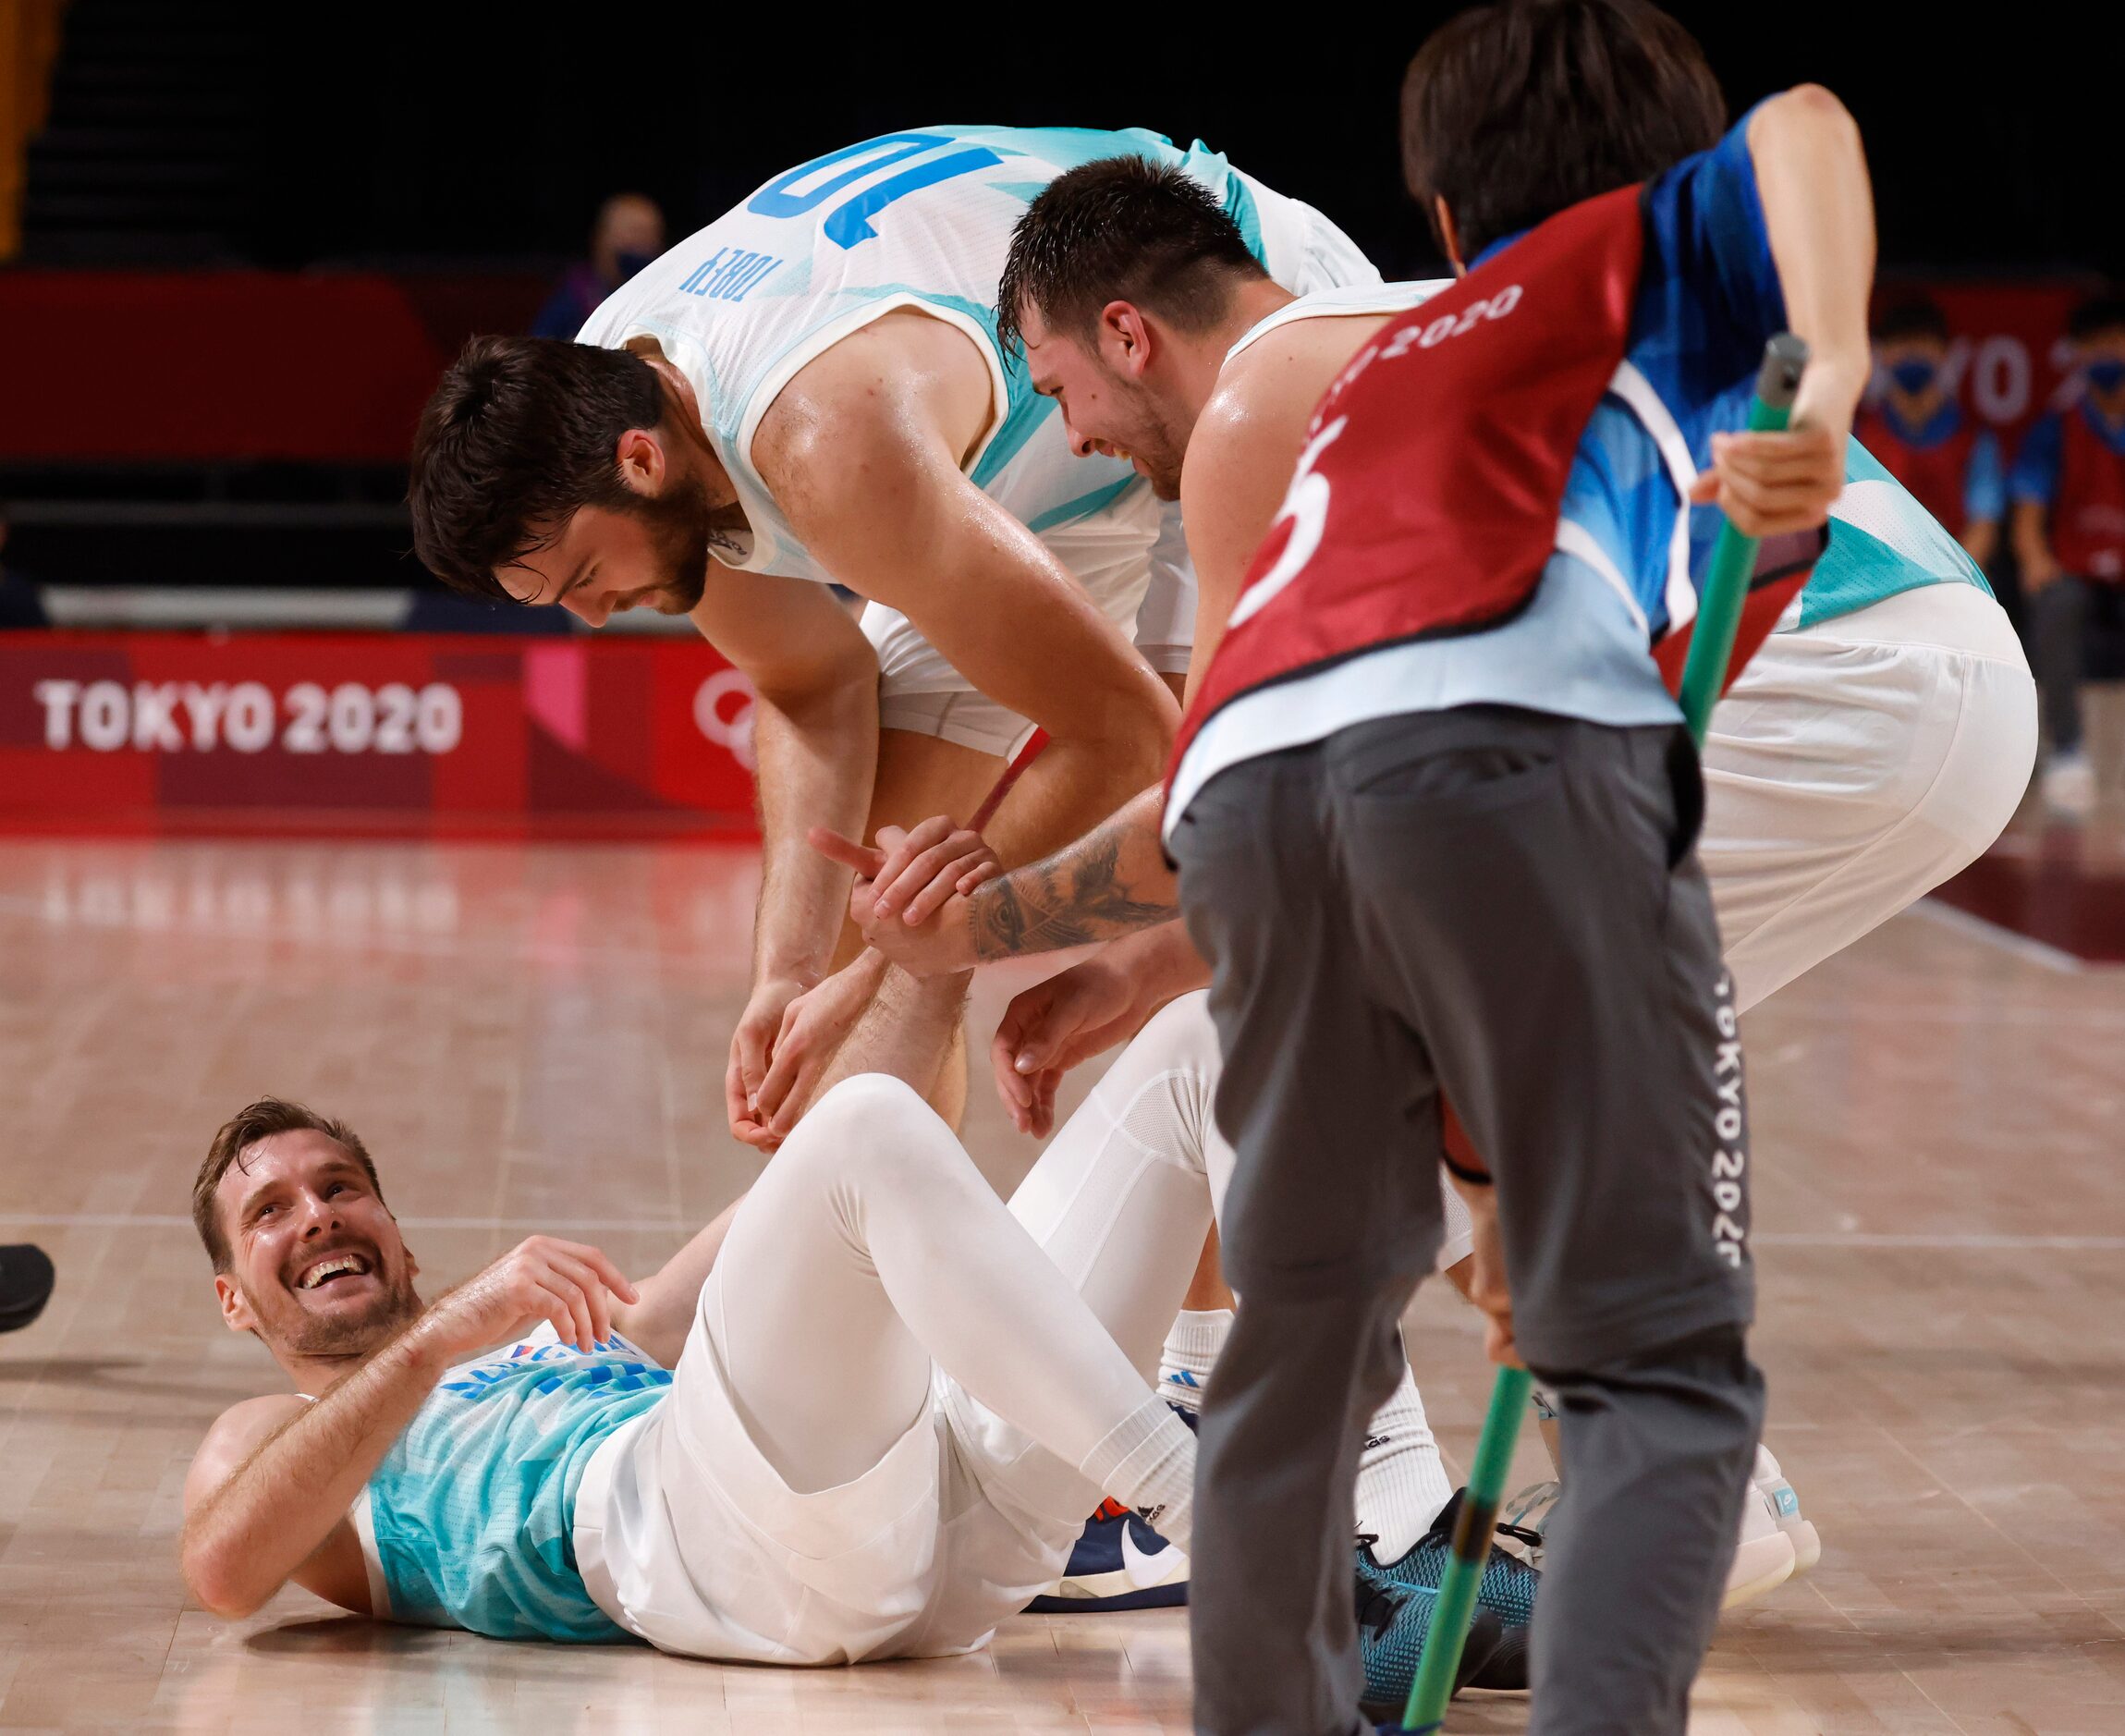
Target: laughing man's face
316	1268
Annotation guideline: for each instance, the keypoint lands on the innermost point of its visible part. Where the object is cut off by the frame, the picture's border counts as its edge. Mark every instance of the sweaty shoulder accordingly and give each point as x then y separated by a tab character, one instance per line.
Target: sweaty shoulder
905	376
1253	427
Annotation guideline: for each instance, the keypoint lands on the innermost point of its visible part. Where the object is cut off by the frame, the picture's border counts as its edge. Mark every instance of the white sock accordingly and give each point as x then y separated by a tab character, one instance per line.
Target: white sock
1148	1460
1190	1348
1402	1484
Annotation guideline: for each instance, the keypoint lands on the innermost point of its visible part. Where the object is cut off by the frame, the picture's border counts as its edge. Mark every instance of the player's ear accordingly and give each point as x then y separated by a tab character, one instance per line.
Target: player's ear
1449	237
236	1313
1125	338
642	460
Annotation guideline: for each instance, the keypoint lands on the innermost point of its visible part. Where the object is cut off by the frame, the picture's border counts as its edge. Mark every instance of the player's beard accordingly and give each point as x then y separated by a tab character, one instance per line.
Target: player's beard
350	1332
683	528
1158	445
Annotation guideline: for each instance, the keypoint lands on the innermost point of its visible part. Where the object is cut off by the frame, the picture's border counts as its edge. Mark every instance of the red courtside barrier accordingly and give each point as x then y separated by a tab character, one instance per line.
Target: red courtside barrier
376	735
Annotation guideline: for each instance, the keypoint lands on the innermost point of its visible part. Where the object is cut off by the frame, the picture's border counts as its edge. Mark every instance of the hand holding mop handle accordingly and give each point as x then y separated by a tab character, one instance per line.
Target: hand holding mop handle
1711	646
1734	556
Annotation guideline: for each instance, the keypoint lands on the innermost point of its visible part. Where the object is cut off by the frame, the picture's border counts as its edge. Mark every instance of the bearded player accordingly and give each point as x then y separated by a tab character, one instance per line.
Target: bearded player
810	390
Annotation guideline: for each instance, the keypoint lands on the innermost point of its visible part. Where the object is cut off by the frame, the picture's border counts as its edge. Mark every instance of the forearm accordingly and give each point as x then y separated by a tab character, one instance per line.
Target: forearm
904	1032
242	1544
1161	962
1818	210
661	1322
816	760
1981	540
1109	883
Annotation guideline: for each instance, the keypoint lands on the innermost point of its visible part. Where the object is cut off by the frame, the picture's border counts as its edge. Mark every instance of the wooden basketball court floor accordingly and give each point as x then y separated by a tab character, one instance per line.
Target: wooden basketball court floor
534	1038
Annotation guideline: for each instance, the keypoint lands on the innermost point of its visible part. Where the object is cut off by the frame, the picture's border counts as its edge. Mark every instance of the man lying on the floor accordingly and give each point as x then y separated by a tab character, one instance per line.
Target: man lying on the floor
861	1415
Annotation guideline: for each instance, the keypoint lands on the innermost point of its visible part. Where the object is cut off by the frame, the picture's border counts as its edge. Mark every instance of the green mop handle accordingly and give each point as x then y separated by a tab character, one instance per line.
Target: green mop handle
1703	675
1478	1518
1734	556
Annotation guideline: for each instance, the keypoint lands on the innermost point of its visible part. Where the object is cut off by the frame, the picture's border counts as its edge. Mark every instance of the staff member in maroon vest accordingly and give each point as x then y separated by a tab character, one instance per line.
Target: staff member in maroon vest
1951	464
1433	811
2069	492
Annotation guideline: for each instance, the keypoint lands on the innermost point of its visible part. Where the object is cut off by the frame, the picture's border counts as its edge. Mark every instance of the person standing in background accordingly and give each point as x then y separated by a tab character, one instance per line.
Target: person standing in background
2069	491
1922	435
627	234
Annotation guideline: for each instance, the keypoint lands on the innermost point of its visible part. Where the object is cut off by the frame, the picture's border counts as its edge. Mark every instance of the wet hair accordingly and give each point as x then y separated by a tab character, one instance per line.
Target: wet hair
1917	317
260	1121
519	434
2104	313
1122	228
1512	112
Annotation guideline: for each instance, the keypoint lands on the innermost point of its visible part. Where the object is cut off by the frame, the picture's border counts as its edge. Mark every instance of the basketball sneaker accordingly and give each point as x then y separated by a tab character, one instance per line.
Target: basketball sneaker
1118	1562
1771	1481
1507	1590
1764	1556
1395	1616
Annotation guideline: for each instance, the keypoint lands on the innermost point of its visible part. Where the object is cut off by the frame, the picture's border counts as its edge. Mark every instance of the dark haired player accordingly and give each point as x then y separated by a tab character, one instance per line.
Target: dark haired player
1434	820
811	389
1877	742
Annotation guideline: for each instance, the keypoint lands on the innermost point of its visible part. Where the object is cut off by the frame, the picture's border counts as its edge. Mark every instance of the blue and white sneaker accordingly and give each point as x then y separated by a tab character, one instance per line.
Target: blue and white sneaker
1118	1562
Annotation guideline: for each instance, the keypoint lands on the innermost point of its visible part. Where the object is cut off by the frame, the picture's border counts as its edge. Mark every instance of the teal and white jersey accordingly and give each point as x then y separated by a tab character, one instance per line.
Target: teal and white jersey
920	219
1882	544
469	1520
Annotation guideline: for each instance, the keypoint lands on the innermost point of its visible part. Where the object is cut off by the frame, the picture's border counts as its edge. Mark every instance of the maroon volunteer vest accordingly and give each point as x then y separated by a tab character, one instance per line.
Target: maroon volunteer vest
1935	476
2088	512
1426	501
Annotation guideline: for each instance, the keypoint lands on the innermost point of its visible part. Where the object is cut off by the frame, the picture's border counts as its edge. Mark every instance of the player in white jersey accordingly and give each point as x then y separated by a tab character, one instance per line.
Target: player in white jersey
1876	744
811	389
859	1417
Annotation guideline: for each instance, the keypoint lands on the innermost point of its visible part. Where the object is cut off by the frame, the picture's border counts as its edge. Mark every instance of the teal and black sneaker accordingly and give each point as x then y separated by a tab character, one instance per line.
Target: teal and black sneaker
1507	1591
1393	1619
1509	1583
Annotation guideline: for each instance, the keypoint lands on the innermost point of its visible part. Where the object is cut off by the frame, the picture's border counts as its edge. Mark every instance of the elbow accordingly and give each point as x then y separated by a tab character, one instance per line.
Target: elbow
1143	719
219	1587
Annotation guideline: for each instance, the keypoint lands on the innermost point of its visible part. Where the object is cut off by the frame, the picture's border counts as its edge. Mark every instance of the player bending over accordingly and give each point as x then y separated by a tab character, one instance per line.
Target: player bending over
860	1415
1876	744
810	389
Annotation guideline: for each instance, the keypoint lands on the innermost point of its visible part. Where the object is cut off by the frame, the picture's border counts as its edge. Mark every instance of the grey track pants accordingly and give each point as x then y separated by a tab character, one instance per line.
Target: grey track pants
1502	907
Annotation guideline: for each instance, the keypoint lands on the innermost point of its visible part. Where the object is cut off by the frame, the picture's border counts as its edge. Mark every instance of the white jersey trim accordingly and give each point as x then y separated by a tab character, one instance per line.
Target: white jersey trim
1349	301
372	1561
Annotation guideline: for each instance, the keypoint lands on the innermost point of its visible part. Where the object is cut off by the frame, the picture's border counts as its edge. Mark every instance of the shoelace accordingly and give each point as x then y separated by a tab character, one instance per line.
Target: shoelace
1379	1601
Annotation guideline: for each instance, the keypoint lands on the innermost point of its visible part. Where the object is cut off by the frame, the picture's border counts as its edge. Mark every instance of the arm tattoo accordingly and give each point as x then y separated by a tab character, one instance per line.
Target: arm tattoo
1073	897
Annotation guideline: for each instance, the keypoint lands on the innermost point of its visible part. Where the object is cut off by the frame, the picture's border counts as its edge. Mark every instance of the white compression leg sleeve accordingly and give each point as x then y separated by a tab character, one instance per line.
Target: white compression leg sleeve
1147	1122
872	1245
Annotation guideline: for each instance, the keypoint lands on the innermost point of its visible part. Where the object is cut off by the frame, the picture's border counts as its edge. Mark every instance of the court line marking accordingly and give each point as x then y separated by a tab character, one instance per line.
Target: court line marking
2038	952
671	1225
